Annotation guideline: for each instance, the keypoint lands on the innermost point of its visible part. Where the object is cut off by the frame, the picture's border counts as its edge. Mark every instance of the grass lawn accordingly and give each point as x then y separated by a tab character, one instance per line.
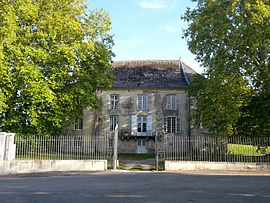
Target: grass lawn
56	156
248	150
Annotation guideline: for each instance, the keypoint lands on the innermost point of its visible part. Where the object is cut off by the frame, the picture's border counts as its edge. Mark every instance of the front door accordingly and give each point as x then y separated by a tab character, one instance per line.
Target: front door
141	146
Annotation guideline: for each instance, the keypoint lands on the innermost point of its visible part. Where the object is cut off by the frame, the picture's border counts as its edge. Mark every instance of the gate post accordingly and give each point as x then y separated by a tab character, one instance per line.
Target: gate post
115	147
160	146
2	145
7	146
156	150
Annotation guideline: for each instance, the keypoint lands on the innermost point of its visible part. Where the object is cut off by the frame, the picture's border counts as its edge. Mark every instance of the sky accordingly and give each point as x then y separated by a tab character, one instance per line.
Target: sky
148	29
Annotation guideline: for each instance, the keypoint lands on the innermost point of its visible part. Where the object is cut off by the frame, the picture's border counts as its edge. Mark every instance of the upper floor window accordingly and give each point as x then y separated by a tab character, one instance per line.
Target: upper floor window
142	102
172	124
114	102
78	123
171	102
113	122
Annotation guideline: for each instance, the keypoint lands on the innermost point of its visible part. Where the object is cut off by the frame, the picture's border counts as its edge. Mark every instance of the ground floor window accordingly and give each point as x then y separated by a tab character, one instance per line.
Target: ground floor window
141	146
78	123
113	122
110	144
141	143
172	124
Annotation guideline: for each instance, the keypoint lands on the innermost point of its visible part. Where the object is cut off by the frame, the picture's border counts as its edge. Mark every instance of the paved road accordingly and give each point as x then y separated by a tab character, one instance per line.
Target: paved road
134	187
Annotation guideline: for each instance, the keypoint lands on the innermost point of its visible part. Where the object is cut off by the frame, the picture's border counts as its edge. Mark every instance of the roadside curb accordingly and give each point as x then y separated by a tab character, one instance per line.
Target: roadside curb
220	172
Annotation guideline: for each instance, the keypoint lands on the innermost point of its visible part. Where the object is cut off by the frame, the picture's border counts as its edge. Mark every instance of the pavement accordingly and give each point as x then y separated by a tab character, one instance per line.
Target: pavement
133	187
222	172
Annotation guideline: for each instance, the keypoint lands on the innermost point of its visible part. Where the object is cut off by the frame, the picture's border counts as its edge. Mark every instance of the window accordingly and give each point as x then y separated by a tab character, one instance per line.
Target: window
113	122
142	102
171	124
110	144
78	123
142	123
171	102
141	143
114	102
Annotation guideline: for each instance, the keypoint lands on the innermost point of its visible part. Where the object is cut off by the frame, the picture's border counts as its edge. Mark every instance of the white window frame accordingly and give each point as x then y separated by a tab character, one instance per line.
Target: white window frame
113	122
114	102
141	122
141	125
78	123
142	102
171	102
172	124
110	144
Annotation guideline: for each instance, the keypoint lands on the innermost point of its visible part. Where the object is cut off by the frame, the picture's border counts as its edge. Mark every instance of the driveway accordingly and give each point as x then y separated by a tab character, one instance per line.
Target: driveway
131	187
146	164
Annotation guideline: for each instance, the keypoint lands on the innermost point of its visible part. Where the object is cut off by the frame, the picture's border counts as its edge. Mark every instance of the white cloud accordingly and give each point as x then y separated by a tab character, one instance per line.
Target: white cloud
152	4
170	28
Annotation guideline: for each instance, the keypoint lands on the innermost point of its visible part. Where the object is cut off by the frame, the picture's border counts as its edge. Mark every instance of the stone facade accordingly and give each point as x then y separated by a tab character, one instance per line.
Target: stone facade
148	98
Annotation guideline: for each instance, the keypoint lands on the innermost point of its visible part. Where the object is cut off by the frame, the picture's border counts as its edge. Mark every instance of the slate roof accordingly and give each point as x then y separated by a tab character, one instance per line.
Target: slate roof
152	74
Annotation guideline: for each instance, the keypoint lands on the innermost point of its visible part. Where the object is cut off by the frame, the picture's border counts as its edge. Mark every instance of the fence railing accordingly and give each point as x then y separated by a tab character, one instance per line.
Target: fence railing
178	148
61	147
217	149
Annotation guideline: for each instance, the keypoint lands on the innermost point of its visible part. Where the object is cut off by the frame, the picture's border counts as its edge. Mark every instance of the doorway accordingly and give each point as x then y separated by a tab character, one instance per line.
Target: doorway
141	146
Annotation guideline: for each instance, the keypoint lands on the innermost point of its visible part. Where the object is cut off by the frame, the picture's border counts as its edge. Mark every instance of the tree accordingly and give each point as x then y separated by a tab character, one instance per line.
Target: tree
219	99
54	56
2	101
255	116
231	38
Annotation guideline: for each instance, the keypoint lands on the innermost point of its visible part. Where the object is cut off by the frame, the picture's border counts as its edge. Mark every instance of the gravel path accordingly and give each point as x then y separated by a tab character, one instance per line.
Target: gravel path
146	164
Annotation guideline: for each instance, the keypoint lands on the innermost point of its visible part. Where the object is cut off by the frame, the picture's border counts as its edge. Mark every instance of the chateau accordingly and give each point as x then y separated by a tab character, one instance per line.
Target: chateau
149	97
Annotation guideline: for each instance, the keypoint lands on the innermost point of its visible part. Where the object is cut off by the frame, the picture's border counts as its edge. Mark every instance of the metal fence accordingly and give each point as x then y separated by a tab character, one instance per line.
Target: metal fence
178	148
61	147
217	149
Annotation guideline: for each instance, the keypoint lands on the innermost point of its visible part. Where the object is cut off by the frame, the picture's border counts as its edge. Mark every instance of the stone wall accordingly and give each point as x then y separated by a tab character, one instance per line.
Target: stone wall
224	166
37	166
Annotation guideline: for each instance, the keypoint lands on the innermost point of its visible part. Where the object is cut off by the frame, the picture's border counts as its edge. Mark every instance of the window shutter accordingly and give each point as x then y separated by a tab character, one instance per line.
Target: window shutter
149	125
111	102
145	102
139	102
134	124
165	125
178	125
167	102
174	102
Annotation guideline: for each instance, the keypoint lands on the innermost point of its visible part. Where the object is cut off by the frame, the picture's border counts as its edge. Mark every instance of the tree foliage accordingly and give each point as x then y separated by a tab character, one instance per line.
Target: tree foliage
54	55
231	38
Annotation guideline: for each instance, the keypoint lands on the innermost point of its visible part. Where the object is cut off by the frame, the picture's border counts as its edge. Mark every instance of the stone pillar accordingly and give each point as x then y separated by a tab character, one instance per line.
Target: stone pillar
11	147
2	145
7	146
